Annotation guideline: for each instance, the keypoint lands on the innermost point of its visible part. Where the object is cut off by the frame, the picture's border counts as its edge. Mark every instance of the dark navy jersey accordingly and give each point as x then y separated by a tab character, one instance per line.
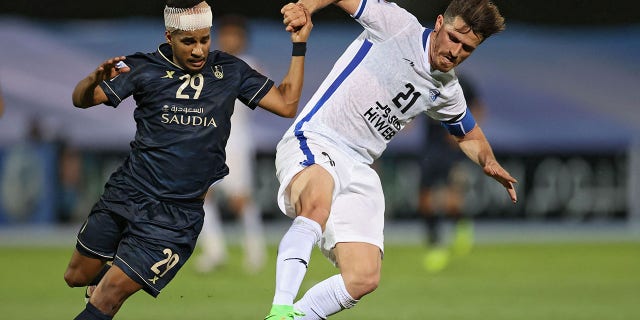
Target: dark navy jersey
182	119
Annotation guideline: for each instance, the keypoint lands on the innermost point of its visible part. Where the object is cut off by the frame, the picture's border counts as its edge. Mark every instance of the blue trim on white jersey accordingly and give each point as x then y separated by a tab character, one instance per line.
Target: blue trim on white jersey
461	127
425	37
359	56
363	4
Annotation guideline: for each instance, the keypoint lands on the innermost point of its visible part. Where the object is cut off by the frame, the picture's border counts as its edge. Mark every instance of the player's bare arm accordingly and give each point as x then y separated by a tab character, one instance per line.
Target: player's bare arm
476	146
87	92
284	99
293	19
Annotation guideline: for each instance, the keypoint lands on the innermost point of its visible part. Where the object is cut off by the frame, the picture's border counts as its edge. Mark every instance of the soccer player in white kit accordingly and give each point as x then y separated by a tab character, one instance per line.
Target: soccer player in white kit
394	71
238	187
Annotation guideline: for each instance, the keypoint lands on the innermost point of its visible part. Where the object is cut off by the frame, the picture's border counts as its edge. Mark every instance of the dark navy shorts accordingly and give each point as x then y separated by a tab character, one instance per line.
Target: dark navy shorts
150	240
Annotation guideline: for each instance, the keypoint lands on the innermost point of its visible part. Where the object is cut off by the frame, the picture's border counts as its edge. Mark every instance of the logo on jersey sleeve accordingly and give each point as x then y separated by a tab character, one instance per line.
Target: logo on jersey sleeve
433	94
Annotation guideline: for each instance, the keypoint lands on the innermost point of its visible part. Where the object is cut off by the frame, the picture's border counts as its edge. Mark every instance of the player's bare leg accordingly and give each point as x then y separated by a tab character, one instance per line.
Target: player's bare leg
360	265
82	270
310	193
113	290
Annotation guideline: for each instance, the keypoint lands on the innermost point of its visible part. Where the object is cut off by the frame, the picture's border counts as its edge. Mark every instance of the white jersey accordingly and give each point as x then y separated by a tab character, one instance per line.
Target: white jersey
380	83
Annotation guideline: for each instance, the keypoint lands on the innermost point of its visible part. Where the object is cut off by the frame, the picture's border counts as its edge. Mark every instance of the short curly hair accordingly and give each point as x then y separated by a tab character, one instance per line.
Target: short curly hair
481	16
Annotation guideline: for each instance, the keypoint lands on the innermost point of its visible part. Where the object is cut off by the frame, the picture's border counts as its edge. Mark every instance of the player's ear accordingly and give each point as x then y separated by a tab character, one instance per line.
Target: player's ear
167	36
439	22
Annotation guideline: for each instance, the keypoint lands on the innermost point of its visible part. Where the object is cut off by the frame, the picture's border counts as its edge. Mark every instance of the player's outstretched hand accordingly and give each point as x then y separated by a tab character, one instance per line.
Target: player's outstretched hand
110	68
294	16
496	171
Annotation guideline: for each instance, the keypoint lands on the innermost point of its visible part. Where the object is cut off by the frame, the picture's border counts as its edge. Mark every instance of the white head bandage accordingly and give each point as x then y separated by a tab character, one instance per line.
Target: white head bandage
188	19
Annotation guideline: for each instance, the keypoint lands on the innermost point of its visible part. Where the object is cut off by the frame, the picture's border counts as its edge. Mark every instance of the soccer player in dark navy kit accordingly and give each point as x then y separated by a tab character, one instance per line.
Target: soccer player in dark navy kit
145	225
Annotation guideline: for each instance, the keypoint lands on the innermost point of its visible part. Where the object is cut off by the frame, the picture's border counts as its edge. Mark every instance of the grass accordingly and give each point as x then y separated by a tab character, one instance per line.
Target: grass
562	281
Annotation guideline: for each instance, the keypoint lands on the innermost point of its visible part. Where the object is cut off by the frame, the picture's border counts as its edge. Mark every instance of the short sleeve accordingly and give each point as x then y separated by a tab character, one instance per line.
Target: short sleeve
254	86
382	20
122	86
452	105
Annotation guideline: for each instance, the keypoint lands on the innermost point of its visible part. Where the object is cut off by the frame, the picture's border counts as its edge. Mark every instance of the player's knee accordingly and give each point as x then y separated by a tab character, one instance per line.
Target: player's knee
318	214
75	278
362	284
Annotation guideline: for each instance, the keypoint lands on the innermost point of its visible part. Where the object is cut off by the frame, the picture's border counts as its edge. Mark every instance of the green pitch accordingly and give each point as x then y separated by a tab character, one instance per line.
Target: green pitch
496	281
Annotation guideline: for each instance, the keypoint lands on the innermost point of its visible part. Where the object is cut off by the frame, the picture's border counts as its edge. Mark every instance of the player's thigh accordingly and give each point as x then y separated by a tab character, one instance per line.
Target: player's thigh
311	192
82	269
97	242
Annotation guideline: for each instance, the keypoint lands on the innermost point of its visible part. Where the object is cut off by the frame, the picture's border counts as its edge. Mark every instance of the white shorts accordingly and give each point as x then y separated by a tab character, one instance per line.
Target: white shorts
357	211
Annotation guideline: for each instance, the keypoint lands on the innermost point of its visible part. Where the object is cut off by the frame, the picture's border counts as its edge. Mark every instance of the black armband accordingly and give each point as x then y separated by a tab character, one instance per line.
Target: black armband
299	49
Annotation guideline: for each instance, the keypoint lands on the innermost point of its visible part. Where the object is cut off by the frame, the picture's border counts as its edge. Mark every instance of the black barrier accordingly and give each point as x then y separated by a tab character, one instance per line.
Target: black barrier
568	187
572	187
577	187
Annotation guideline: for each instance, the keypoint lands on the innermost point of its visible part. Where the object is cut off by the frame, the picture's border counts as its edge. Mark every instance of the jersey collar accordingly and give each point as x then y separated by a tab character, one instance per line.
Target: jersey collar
164	50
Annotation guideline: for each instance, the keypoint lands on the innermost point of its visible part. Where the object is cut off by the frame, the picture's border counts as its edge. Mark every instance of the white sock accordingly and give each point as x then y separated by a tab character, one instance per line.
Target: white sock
294	253
324	299
211	236
254	243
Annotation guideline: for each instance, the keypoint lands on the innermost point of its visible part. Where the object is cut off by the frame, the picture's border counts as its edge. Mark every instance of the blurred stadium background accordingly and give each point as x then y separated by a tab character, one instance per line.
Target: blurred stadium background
561	86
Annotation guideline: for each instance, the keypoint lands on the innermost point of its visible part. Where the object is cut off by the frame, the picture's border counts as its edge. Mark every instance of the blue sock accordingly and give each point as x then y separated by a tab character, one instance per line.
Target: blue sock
92	313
